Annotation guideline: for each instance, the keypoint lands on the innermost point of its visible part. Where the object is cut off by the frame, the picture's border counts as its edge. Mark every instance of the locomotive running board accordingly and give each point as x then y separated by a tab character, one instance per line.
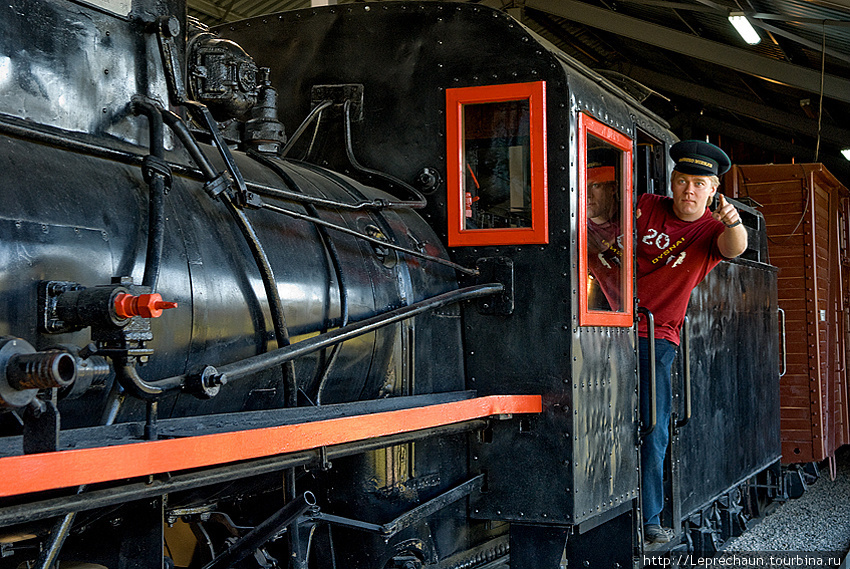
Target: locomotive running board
25	474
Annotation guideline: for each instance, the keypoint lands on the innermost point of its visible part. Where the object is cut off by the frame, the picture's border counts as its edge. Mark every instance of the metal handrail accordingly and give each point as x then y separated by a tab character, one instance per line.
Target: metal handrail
653	390
784	347
686	365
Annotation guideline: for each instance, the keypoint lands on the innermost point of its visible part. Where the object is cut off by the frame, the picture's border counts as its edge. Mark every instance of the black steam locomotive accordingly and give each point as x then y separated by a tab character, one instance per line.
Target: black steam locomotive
318	290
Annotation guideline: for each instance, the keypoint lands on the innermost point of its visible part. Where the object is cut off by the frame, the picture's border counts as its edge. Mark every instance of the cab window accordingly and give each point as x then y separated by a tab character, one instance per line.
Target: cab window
496	164
605	226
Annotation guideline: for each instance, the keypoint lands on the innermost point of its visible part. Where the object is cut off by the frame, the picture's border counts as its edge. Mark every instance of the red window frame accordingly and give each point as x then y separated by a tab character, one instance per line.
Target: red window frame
588	125
456	98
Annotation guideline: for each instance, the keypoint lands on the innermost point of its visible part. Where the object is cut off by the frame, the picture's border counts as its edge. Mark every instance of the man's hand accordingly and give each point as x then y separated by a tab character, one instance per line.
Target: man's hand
733	241
726	213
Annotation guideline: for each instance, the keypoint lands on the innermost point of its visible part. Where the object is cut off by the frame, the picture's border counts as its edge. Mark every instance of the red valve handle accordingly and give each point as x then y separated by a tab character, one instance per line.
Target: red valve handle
144	305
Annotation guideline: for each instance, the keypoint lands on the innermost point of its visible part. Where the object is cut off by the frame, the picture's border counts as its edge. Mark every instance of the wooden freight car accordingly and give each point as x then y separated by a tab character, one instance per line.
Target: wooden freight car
806	210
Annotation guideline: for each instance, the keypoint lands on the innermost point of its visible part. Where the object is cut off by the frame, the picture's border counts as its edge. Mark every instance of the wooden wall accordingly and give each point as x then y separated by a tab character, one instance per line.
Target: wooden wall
806	212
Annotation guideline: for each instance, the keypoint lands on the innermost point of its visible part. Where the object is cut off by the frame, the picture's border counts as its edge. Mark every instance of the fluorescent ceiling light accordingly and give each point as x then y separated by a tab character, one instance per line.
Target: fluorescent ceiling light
744	27
846	153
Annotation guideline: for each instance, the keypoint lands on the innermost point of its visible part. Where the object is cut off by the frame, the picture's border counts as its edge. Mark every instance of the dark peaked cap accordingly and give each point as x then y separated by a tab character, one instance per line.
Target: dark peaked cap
699	158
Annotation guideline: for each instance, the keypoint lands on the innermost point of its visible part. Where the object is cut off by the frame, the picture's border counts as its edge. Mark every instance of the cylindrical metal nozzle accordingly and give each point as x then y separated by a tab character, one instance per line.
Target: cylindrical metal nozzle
41	370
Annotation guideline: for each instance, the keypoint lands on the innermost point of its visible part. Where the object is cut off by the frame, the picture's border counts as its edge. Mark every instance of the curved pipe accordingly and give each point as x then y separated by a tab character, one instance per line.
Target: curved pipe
157	184
420	200
272	294
303	126
253	241
132	382
335	262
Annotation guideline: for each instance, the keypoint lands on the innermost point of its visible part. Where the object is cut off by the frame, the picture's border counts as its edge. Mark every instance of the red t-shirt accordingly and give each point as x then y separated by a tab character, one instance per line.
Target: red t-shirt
604	260
673	256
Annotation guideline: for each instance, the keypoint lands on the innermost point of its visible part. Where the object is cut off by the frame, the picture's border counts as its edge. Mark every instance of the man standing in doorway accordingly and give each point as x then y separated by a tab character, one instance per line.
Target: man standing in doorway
679	241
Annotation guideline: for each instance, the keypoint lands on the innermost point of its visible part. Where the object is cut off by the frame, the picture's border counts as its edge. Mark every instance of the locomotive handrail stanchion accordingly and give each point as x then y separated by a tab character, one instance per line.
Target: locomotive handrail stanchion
686	365
201	112
653	405
784	347
62	529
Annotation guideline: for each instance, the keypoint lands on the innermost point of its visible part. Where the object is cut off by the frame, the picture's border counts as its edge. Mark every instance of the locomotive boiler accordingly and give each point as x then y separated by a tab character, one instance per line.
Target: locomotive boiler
318	290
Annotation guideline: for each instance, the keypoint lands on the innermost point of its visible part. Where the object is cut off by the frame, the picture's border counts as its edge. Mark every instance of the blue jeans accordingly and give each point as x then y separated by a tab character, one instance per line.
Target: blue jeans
654	446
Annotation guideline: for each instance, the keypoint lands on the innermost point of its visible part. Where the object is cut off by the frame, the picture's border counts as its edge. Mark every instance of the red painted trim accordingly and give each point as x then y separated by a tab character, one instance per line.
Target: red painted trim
538	233
587	124
48	471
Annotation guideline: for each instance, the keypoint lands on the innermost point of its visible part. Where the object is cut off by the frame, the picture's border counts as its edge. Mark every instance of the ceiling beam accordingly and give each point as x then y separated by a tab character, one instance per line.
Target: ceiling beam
713	5
711	97
677	6
794	37
799	20
685	44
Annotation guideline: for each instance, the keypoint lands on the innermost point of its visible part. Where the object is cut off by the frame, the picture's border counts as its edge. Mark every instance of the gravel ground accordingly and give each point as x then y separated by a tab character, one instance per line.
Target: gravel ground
819	521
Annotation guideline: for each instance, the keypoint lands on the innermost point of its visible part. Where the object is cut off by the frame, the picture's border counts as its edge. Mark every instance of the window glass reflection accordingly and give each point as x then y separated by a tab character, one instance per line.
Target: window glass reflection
605	282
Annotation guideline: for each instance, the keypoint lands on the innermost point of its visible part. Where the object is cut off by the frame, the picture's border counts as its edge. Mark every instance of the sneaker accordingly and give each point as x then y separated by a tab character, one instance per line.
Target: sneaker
654	533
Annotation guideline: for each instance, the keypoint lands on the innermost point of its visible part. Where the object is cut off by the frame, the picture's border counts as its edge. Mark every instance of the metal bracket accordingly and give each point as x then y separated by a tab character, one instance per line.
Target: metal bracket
48	293
338	95
323	458
167	29
496	270
202	114
41	426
